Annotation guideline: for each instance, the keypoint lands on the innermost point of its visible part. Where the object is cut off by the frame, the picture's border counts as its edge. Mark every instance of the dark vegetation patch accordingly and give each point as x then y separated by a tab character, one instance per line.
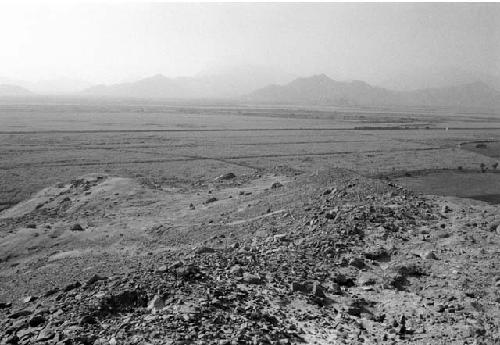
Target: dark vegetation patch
489	198
486	148
464	184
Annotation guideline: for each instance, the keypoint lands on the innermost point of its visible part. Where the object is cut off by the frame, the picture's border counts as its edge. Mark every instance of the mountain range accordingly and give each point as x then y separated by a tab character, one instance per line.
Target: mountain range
320	89
437	77
55	86
224	83
7	90
261	85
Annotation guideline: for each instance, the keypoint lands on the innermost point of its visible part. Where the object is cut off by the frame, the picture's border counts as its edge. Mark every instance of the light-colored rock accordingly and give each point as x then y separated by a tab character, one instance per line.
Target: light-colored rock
251	278
158	302
428	255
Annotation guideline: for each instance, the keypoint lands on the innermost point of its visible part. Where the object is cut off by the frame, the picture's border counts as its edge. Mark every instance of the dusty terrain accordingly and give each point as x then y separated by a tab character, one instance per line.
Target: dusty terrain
248	226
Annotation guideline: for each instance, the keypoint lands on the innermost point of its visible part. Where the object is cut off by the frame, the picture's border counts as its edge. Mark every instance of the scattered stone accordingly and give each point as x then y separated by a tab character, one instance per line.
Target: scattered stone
429	255
251	278
331	215
272	286
377	253
227	176
357	262
87	320
76	227
280	238
342	280
29	299
25	333
36	321
402	328
354	307
20	313
45	335
123	301
94	279
51	292
276	185
317	290
210	200
367	278
236	270
335	289
494	225
72	286
175	265
312	288
162	269
440	308
5	305
158	302
13	339
408	269
189	272
394	280
204	250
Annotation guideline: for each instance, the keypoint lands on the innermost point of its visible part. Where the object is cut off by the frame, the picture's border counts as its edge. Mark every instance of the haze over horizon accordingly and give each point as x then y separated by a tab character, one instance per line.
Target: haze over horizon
377	43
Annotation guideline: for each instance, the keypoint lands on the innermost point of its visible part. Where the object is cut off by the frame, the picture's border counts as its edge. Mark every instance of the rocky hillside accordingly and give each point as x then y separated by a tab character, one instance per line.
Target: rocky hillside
267	259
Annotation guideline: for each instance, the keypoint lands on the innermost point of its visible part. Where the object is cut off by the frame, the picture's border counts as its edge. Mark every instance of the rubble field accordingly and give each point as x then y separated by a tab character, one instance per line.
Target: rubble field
280	257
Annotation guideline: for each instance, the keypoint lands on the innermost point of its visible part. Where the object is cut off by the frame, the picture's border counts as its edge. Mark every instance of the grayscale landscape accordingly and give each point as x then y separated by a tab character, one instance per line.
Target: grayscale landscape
305	199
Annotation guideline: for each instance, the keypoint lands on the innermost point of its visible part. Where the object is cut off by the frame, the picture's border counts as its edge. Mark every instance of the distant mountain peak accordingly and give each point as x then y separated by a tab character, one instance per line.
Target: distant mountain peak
360	83
13	90
410	80
321	76
157	76
320	89
480	85
227	83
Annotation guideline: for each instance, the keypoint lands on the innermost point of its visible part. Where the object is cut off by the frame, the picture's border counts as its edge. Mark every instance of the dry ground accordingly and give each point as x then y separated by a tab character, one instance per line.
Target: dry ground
141	181
56	140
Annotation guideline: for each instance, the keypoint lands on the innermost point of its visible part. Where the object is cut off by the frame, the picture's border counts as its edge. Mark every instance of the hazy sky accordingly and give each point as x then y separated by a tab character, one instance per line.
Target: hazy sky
114	42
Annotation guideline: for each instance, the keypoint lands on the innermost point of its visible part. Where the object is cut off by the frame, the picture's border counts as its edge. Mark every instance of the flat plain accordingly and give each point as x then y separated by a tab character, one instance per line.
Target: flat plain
46	141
